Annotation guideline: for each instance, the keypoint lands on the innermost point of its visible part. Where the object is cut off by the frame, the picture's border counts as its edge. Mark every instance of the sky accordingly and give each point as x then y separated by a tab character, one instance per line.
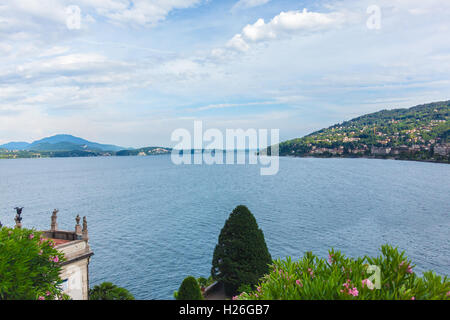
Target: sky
130	72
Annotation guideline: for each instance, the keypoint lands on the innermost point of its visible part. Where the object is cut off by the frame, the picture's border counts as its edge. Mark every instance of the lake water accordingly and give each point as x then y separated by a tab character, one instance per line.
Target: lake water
152	223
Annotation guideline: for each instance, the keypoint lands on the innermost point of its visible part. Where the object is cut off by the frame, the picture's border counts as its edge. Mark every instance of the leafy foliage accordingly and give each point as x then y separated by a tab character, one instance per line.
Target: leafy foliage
29	266
189	290
342	278
109	291
241	255
204	283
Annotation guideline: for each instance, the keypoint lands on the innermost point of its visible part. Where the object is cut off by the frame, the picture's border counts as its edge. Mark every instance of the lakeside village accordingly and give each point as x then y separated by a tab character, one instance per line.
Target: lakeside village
420	133
54	265
433	146
16	154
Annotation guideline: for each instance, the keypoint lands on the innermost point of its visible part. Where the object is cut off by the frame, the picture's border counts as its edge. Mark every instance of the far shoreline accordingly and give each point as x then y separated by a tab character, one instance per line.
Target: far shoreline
370	158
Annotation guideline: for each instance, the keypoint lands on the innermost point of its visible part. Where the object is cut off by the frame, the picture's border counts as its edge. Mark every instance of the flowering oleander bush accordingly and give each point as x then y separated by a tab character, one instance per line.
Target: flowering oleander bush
29	266
339	277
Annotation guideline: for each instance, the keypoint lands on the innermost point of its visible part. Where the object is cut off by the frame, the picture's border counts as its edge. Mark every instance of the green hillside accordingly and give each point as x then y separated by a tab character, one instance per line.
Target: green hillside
418	133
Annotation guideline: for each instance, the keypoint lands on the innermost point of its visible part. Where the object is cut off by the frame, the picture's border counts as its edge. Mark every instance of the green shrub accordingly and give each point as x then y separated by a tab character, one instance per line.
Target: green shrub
244	288
241	255
109	291
349	279
29	266
204	283
189	290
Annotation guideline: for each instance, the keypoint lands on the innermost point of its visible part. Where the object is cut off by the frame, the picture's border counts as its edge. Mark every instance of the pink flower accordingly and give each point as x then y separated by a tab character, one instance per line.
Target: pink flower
235	298
41	298
259	289
408	268
448	294
354	292
31	236
47	293
299	283
56	259
413	298
330	258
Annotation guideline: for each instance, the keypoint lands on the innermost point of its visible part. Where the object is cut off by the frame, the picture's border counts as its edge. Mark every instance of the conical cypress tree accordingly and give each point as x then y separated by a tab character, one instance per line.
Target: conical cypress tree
241	256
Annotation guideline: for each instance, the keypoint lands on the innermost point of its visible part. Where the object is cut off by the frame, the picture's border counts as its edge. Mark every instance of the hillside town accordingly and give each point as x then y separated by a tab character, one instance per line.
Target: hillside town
419	133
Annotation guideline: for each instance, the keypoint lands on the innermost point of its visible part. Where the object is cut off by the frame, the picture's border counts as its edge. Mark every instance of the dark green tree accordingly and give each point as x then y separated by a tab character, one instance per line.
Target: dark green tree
189	290
241	256
109	291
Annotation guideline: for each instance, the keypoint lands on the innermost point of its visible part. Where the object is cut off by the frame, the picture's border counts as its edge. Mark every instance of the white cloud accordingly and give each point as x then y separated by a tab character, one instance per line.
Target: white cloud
19	13
76	62
233	105
285	24
139	12
238	43
53	10
54	51
245	4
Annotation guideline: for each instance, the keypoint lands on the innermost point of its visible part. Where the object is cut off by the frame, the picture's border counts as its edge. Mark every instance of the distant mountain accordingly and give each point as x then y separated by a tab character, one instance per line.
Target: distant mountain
418	133
65	142
61	142
15	146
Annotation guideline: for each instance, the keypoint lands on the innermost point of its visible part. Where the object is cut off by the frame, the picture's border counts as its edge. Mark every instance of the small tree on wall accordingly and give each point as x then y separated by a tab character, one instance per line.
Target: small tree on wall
109	291
241	256
189	290
29	266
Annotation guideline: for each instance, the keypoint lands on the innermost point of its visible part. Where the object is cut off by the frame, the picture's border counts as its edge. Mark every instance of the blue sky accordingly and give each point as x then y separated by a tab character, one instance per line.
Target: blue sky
131	72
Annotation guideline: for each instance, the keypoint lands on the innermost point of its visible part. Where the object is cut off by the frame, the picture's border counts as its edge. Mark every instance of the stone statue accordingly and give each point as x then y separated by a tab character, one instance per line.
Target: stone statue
77	226
54	225
85	229
18	218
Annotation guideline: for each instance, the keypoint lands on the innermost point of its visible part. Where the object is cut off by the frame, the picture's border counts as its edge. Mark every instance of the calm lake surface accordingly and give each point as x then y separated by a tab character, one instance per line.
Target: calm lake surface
152	223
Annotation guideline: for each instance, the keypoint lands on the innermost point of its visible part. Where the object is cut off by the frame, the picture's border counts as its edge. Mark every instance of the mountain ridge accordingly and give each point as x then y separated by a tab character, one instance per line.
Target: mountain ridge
61	142
65	145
